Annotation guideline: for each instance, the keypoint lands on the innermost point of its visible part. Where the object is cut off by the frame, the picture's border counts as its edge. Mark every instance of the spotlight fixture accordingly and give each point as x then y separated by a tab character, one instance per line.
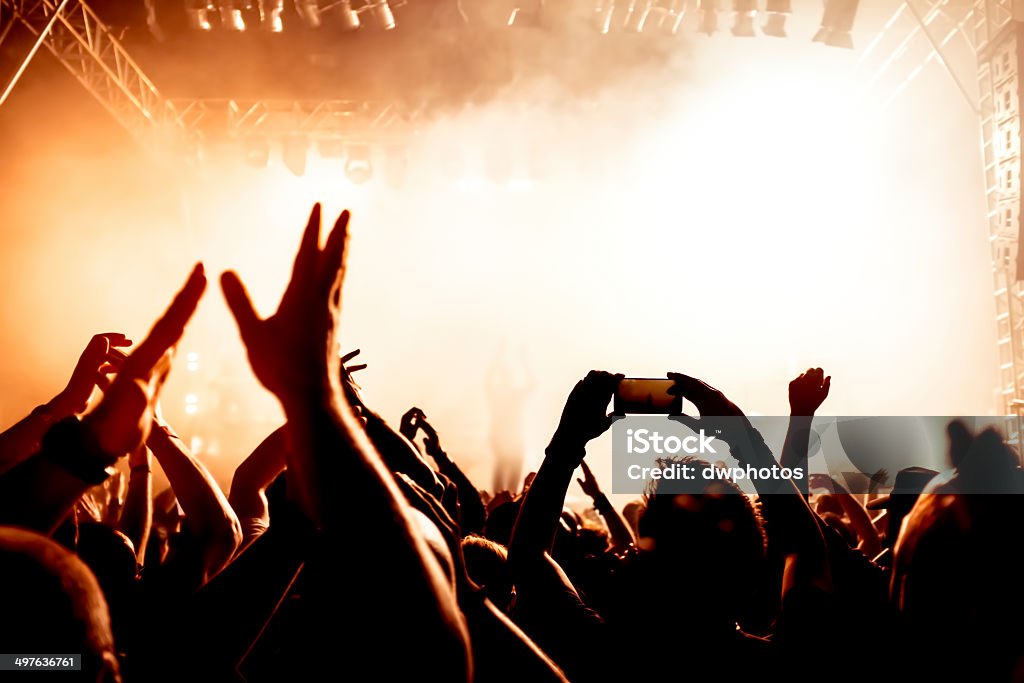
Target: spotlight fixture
775	24
270	15
708	16
198	13
837	22
744	12
309	12
383	17
257	152
357	167
294	150
231	16
347	17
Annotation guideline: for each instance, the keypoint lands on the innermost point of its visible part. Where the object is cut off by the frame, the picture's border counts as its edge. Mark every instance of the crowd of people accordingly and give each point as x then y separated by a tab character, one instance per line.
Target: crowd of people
348	548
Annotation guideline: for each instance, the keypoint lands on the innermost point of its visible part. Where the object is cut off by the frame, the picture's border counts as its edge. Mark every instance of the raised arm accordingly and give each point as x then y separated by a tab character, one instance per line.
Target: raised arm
76	455
806	394
339	481
471	508
583	418
209	518
622	535
137	513
100	358
255	474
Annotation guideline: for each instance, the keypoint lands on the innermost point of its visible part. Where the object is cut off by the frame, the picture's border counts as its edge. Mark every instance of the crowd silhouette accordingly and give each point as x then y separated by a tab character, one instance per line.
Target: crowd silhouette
344	549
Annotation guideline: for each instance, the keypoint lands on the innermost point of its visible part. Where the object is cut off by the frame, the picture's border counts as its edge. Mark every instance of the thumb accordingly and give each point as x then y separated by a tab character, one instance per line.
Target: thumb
240	303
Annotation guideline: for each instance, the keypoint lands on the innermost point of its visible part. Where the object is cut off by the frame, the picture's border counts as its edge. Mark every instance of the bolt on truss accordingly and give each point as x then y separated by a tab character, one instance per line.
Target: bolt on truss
90	51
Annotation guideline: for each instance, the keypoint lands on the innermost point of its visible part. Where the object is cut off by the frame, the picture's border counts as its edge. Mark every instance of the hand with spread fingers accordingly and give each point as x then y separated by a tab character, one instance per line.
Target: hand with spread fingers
102	357
294	351
122	419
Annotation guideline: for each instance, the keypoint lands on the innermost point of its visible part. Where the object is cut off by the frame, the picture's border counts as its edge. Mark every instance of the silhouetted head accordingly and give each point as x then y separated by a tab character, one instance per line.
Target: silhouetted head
908	485
709	539
53	603
957	566
487	565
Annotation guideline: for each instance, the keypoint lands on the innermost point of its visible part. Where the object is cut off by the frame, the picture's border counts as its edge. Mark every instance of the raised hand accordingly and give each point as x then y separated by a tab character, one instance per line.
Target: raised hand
808	391
101	357
122	420
709	401
410	426
585	415
294	351
431	441
589	483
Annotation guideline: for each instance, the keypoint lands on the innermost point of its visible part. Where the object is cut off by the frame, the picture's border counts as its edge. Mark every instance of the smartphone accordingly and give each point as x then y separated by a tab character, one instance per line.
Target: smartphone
646	397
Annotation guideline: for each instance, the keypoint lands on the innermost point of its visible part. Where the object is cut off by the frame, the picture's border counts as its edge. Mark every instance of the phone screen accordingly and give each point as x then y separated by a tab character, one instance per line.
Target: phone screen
646	397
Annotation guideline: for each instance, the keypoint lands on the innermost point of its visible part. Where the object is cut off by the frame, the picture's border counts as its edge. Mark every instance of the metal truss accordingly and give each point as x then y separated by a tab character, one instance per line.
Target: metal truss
366	121
927	20
73	33
983	37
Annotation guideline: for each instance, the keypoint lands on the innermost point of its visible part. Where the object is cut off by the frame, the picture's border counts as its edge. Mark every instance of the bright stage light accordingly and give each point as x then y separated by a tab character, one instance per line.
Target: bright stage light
198	13
270	15
309	12
383	17
358	168
348	20
231	16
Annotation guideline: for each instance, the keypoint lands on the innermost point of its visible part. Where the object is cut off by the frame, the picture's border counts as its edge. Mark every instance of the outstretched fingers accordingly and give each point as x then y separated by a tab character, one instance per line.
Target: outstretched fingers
169	329
237	298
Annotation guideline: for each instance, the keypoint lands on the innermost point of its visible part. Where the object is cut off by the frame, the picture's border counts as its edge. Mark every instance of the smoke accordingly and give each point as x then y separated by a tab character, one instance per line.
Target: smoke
723	208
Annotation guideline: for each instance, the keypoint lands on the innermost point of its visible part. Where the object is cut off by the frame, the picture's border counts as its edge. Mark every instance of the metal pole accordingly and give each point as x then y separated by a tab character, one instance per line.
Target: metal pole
32	53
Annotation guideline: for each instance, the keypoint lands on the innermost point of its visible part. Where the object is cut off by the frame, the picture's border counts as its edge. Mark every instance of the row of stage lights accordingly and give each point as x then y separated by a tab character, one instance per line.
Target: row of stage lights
358	157
498	166
230	15
637	16
667	16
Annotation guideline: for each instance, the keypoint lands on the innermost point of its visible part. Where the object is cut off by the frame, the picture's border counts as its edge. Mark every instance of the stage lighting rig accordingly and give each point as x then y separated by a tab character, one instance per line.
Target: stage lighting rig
837	22
270	15
775	24
708	16
744	12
